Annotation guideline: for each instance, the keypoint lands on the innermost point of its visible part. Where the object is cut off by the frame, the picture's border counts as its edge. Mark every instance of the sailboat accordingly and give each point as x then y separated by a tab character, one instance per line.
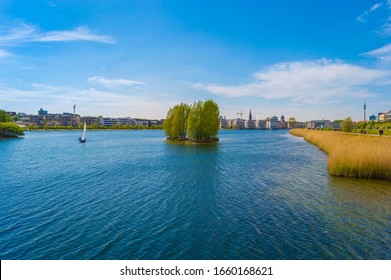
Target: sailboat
83	139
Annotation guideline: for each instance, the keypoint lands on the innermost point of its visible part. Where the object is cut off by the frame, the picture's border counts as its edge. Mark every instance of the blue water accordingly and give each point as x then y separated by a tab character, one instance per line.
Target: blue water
131	195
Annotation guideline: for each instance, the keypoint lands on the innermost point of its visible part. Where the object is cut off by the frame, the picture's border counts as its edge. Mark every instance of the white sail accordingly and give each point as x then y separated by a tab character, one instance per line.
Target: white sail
84	132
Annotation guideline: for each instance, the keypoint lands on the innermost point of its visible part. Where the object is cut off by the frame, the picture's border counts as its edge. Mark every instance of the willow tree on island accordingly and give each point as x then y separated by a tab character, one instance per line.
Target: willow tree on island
203	122
10	130
198	122
175	124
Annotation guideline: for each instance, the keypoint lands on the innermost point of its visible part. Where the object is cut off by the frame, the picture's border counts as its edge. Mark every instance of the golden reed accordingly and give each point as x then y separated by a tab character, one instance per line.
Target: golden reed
350	155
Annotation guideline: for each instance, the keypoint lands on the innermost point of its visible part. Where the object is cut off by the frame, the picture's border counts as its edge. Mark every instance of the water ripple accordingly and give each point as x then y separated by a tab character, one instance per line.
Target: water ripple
130	195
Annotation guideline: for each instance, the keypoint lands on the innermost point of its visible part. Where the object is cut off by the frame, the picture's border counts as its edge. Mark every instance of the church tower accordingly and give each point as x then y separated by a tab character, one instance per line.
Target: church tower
250	117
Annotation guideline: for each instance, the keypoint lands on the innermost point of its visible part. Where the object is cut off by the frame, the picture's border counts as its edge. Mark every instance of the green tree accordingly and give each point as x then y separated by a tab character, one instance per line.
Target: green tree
4	117
199	121
167	124
347	125
203	121
10	130
210	119
46	126
175	124
194	123
292	122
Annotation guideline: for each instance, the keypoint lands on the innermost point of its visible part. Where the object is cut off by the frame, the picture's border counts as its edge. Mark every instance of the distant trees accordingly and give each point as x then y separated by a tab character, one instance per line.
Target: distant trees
199	122
4	117
292	122
347	125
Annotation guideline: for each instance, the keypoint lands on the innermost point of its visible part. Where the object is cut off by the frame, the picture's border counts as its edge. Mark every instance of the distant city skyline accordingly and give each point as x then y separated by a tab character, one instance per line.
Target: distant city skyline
303	59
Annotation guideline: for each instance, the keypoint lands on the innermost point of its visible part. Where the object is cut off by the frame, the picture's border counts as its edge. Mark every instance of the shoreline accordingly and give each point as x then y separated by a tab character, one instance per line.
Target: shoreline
189	141
352	155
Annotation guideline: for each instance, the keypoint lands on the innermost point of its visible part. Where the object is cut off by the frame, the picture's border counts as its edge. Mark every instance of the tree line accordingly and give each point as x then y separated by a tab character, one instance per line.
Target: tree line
198	122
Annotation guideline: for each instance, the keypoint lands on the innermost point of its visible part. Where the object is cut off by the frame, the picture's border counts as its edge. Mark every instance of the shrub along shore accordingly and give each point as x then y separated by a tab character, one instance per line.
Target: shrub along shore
10	130
349	155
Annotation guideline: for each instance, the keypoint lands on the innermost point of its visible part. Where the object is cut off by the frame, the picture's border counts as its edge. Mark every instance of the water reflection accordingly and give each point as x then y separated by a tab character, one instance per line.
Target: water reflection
352	206
369	194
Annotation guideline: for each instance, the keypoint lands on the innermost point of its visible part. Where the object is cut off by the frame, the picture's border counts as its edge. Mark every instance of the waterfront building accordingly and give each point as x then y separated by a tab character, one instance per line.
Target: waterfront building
337	125
260	124
223	122
316	124
68	119
384	117
90	120
12	114
141	122
108	121
39	120
239	123
272	123
230	124
42	112
249	124
126	121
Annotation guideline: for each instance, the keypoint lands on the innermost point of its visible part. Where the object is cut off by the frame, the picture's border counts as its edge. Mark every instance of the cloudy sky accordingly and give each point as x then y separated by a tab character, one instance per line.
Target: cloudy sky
304	59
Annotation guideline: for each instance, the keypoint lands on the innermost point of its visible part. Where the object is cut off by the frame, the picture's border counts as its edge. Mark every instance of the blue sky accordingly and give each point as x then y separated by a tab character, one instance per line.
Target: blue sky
303	59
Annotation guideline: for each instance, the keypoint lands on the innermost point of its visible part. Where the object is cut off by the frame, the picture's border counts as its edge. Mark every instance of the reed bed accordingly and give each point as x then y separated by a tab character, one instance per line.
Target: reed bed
350	155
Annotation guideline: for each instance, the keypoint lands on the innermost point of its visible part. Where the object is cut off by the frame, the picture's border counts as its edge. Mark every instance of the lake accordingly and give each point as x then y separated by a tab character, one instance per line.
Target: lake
131	195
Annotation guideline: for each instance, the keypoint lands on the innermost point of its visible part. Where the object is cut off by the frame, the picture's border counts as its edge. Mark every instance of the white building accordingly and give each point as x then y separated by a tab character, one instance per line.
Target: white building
223	123
125	121
385	116
239	123
317	124
260	124
108	121
272	123
249	124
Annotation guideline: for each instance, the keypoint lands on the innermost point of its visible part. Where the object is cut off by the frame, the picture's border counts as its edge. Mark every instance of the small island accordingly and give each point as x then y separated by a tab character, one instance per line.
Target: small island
7	128
197	123
10	130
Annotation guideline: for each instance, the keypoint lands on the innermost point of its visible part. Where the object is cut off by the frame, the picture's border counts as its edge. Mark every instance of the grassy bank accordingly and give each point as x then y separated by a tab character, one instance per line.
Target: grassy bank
358	156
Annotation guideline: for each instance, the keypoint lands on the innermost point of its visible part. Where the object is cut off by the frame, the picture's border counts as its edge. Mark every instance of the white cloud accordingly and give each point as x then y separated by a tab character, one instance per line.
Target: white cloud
4	53
77	34
362	17
385	29
28	33
310	82
89	101
114	83
383	53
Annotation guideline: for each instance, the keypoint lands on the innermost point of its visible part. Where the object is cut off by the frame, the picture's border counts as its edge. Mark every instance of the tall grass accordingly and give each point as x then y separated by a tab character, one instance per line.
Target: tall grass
359	156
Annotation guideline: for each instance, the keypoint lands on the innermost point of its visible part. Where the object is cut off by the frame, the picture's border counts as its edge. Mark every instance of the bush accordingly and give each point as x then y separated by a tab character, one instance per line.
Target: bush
10	130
